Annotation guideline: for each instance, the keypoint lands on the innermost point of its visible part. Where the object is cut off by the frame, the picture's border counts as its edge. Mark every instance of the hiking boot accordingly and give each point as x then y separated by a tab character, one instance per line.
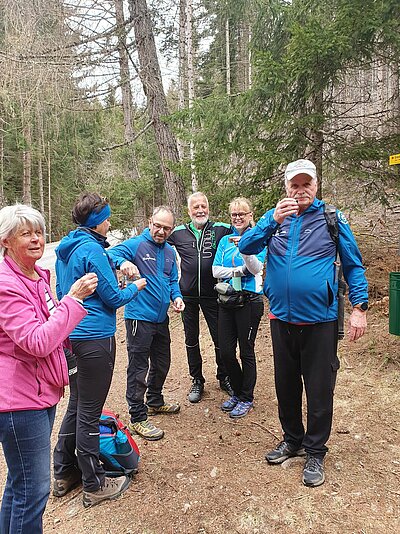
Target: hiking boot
313	472
241	409
62	486
225	385
196	391
146	430
165	408
112	488
228	405
282	452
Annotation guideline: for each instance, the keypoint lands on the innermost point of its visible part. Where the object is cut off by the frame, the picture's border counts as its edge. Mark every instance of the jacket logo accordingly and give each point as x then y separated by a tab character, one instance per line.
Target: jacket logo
148	258
209	243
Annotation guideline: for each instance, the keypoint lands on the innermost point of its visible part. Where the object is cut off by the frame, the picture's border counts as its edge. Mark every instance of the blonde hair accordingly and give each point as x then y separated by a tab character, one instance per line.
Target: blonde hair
243	203
13	217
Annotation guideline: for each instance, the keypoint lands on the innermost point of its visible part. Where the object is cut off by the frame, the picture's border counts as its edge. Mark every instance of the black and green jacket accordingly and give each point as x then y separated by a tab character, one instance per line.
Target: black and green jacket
197	254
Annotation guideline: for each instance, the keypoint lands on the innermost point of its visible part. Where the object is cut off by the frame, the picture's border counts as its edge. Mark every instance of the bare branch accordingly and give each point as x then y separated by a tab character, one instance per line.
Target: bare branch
105	149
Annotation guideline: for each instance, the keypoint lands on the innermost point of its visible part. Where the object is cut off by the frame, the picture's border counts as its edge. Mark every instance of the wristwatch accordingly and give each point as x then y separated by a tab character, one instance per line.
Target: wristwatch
363	306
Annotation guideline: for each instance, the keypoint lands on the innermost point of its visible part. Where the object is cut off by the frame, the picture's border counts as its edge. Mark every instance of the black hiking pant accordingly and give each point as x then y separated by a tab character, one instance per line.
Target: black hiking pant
191	318
305	354
240	325
79	430
147	343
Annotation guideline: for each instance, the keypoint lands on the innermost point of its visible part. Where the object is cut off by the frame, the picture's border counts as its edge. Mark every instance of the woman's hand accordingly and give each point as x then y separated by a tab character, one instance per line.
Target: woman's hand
84	287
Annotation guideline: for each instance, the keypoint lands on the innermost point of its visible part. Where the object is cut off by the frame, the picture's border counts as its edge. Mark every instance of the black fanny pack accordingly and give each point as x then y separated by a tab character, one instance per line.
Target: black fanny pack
229	297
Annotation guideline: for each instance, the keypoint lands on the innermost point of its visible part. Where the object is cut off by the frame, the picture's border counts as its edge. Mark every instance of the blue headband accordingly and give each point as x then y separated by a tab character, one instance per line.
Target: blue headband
95	219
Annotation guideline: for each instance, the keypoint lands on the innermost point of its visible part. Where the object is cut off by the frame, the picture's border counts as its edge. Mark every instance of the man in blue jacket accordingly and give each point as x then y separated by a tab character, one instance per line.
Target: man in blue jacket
301	285
146	319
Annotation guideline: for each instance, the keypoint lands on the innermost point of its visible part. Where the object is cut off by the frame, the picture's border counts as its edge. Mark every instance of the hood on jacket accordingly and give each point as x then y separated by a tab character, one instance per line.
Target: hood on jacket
75	239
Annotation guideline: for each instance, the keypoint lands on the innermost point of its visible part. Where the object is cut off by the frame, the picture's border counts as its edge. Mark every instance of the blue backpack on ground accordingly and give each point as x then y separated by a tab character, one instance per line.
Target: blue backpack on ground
119	452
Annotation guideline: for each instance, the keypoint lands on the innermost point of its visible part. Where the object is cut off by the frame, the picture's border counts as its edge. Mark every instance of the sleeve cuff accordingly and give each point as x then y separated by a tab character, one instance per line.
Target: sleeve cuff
77	300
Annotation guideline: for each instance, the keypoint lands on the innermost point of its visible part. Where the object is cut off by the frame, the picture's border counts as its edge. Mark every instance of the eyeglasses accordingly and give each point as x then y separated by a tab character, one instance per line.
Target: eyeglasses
240	214
158	227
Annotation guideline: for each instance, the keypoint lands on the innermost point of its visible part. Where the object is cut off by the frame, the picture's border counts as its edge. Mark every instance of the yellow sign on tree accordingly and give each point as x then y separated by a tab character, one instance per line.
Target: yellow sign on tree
394	159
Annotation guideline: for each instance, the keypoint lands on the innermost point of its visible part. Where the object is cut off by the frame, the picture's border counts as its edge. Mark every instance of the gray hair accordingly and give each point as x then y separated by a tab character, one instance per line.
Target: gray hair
193	196
13	217
157	209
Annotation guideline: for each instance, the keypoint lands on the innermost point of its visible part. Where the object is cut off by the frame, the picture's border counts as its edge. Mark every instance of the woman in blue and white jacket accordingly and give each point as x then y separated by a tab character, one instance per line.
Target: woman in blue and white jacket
240	324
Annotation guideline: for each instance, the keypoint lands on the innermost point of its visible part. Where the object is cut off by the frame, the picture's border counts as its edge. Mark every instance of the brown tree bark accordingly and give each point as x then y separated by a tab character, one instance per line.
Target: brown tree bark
27	167
182	81
126	91
314	152
40	154
150	75
127	108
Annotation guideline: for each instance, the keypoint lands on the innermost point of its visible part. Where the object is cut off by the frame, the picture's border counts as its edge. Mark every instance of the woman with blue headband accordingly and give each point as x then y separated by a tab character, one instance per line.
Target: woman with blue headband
76	455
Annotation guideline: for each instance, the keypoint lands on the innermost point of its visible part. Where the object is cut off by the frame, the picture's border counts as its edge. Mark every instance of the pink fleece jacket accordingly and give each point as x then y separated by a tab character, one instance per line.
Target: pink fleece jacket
33	369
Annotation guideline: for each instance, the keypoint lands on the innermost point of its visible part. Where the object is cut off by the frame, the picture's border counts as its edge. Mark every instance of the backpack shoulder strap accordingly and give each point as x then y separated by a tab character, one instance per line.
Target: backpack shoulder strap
332	222
333	228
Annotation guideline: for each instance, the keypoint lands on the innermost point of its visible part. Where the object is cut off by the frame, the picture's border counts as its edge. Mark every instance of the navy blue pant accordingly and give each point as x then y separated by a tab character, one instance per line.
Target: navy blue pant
80	427
25	437
305	354
240	325
190	316
149	354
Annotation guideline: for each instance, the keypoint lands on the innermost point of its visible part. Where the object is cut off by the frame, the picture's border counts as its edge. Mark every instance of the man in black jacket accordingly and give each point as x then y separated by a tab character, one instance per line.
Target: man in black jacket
196	244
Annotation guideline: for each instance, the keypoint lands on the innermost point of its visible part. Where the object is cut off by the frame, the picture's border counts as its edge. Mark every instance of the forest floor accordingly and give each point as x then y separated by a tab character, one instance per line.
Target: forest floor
208	475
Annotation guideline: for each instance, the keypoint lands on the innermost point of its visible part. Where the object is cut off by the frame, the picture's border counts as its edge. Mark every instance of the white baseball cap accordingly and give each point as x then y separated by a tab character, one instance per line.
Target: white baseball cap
300	166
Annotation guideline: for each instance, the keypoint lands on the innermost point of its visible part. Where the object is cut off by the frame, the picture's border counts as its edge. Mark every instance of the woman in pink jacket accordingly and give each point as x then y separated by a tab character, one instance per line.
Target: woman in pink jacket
33	369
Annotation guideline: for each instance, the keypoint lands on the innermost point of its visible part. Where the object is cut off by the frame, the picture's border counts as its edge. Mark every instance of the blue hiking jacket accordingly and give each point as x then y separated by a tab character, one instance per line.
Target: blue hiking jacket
301	275
157	263
228	257
81	252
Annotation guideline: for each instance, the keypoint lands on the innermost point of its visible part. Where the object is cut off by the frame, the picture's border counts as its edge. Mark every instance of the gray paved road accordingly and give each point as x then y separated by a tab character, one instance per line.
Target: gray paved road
48	260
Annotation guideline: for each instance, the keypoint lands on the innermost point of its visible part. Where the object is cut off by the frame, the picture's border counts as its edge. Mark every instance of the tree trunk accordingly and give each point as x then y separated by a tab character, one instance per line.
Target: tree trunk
182	87
41	149
242	69
49	213
250	70
150	75
127	108
27	167
317	141
190	78
228	57
126	91
182	82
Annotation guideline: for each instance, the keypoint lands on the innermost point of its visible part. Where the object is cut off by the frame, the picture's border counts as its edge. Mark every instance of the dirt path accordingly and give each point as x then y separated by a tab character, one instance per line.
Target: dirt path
208	475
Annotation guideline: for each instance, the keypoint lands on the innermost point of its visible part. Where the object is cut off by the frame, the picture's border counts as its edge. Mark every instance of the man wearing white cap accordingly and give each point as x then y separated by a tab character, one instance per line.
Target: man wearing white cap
301	285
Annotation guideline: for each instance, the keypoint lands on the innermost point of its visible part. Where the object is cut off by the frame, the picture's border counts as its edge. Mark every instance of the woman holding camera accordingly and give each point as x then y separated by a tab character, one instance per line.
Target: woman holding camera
238	323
